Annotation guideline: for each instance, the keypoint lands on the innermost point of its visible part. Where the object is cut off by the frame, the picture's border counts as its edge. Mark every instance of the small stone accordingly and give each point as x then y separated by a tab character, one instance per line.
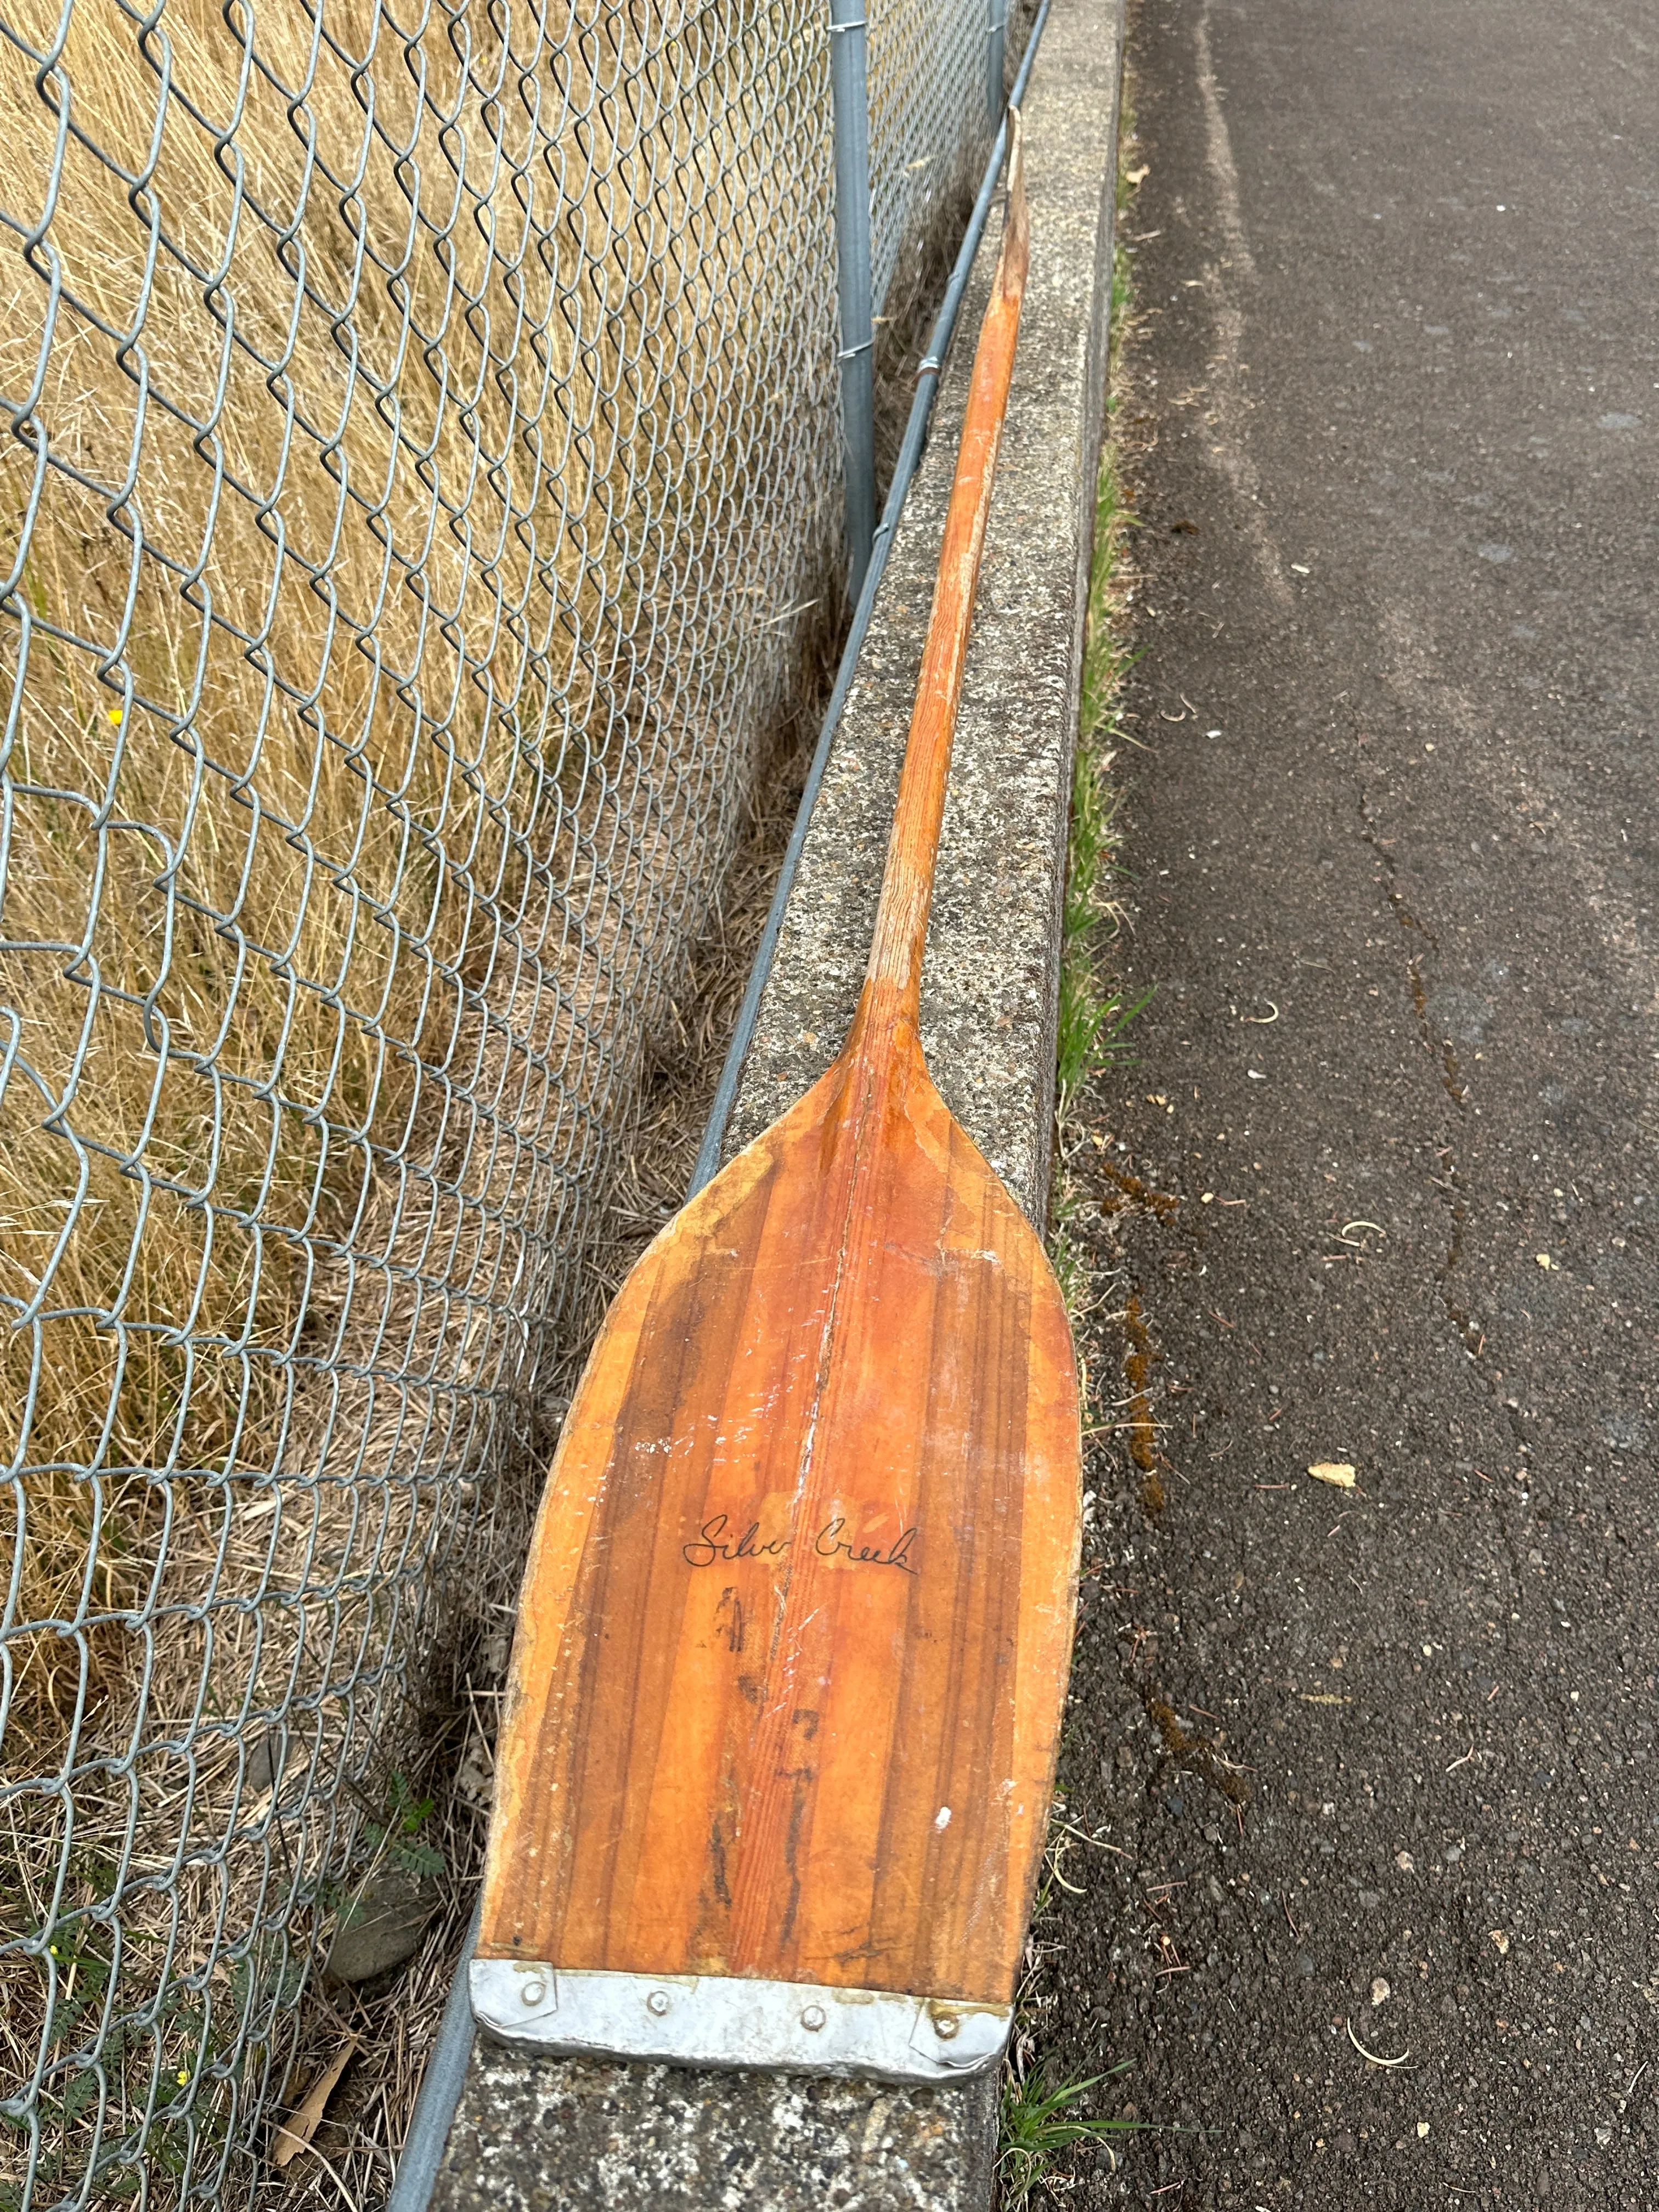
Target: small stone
1380	1991
1405	1862
1422	2129
267	1759
381	1928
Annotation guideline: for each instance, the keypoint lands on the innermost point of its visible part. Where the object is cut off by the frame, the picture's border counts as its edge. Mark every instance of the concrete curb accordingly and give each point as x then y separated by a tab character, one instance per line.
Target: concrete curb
539	2135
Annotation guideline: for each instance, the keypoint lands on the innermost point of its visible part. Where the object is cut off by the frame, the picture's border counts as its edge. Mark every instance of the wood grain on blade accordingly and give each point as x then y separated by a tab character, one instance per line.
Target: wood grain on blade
788	1685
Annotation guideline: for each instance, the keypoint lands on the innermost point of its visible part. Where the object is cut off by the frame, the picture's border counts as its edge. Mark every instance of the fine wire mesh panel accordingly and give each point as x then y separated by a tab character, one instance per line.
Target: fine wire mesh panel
420	461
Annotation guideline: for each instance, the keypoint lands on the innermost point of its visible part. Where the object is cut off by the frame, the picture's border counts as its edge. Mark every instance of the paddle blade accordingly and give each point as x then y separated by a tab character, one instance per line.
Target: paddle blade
795	1627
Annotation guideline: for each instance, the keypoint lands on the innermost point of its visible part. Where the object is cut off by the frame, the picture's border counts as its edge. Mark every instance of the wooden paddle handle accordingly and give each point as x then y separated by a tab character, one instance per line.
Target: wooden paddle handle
892	992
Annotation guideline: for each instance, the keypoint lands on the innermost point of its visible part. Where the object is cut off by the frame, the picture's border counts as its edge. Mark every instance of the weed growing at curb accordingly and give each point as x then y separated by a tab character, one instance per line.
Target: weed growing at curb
1040	2117
1093	1019
1038	2120
1092	1016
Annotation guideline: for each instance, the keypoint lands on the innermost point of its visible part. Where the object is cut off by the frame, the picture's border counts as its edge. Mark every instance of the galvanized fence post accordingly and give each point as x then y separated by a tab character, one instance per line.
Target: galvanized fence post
850	90
996	44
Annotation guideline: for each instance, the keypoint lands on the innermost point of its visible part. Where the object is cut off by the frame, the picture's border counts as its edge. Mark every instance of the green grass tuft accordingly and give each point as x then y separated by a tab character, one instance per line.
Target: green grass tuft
1040	2117
1092	1016
1039	2121
1093	1019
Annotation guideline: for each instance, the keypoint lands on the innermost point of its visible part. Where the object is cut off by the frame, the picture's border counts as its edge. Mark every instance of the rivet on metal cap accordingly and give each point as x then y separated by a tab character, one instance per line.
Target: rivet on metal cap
531	1993
946	2024
813	2018
657	2002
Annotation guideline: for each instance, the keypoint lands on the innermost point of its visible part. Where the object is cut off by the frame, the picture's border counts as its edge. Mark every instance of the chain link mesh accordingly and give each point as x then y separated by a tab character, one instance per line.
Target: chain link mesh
930	119
423	462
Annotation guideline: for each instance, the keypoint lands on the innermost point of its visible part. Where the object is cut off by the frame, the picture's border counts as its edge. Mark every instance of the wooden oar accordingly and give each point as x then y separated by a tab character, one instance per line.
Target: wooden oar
779	1737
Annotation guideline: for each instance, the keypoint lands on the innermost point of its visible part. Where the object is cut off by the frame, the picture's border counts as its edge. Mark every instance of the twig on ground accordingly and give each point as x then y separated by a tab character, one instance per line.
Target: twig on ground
1370	2055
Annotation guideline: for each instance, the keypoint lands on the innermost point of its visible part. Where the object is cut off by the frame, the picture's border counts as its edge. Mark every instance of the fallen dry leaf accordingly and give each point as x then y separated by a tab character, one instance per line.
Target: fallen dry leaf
1336	1471
1138	176
1545	1261
295	2133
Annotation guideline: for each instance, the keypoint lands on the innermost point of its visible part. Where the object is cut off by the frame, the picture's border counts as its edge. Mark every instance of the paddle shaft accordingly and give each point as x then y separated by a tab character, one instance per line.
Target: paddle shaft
892	990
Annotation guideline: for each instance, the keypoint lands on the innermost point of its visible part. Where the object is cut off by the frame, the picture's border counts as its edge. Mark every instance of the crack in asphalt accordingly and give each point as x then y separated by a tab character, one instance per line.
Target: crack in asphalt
1453	1191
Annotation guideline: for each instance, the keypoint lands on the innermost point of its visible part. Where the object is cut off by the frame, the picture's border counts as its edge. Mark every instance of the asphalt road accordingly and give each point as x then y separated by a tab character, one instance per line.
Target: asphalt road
1376	1766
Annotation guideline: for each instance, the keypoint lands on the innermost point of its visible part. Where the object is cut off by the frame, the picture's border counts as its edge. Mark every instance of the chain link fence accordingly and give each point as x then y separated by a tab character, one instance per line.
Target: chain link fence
420	479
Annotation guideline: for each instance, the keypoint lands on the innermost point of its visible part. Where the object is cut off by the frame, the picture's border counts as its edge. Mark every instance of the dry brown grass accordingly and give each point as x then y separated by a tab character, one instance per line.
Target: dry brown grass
294	718
387	668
